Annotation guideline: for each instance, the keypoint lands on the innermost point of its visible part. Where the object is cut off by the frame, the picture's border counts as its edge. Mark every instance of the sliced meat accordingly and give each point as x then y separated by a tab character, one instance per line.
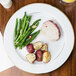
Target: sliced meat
51	30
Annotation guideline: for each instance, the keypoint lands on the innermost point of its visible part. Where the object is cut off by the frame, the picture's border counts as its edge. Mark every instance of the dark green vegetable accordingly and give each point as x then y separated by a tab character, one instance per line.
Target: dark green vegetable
16	27
33	37
27	22
17	39
24	36
23	18
20	47
35	27
36	22
23	25
24	31
29	18
18	31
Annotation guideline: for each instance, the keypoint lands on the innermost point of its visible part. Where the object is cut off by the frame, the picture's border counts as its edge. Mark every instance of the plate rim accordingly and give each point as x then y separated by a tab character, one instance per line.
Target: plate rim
67	19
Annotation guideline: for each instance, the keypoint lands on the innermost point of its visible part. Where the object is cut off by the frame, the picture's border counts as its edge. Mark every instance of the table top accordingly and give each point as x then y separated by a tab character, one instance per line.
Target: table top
69	68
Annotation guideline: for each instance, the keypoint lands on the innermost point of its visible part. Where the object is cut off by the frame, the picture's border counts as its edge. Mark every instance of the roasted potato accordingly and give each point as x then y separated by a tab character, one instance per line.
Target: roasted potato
30	57
46	57
44	47
38	45
30	48
38	55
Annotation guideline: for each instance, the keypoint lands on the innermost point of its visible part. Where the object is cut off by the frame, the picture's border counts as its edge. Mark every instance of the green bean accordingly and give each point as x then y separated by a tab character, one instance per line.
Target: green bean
18	32
33	37
23	18
24	30
31	31
24	38
15	46
36	22
23	26
35	27
27	22
34	33
17	39
21	29
29	18
24	35
20	47
16	27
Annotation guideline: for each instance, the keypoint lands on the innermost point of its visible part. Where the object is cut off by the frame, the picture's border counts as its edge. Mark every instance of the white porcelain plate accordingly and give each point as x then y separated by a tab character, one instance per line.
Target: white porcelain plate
60	50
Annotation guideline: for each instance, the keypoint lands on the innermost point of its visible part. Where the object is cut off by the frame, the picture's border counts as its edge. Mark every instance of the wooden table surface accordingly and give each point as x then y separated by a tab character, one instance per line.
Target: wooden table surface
69	68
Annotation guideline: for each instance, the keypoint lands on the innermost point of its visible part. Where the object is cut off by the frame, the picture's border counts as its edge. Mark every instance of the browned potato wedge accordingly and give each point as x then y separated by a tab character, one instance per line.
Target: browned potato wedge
38	45
45	47
30	57
46	57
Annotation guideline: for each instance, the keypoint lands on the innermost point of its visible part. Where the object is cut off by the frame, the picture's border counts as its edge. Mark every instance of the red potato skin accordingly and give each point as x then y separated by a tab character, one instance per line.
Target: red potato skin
43	51
30	48
38	55
56	26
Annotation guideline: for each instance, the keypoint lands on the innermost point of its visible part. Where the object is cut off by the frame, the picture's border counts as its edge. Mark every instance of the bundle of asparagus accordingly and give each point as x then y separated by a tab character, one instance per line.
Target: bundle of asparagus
23	30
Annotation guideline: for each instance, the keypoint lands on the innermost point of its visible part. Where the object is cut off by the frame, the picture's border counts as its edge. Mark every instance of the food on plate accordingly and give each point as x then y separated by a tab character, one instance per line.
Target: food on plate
38	50
30	48
16	27
34	26
24	34
23	30
46	57
38	45
38	55
30	57
51	30
32	38
44	47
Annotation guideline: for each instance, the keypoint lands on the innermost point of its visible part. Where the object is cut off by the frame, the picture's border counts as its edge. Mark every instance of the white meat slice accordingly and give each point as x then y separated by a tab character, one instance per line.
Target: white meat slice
50	30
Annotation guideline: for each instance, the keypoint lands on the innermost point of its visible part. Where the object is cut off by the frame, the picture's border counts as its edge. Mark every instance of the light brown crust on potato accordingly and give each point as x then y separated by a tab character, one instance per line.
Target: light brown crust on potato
44	47
46	57
30	57
38	45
